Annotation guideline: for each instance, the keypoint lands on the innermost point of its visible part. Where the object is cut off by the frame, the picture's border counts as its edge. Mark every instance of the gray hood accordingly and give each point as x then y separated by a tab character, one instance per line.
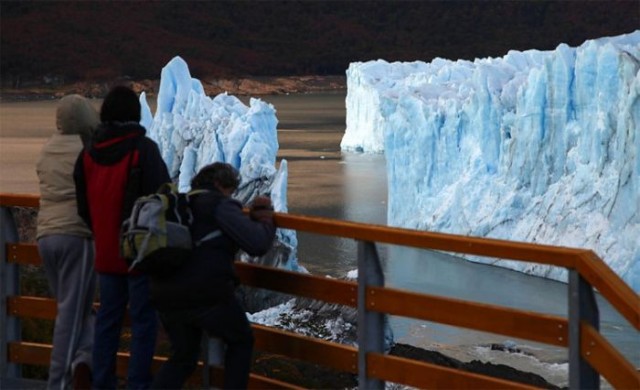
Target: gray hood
76	115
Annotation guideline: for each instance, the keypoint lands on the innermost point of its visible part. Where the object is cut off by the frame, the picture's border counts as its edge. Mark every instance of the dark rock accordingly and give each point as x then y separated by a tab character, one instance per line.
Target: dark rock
314	376
475	366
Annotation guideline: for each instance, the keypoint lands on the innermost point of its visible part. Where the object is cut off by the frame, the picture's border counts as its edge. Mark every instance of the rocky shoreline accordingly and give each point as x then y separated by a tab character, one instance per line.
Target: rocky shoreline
315	376
318	314
252	86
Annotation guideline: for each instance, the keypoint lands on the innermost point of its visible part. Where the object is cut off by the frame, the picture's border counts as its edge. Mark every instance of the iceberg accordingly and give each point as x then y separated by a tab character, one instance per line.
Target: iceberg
535	146
193	130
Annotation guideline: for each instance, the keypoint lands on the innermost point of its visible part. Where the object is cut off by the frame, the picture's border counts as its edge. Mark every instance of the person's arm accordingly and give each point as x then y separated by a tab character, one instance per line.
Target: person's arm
252	236
153	169
81	190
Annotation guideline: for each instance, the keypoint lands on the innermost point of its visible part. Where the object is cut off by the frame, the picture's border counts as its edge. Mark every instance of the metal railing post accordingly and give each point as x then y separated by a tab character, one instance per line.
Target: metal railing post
370	324
582	307
213	356
9	285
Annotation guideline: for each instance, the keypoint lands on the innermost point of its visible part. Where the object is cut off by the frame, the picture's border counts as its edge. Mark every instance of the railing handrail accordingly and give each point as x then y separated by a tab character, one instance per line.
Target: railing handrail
586	262
550	329
19	200
580	262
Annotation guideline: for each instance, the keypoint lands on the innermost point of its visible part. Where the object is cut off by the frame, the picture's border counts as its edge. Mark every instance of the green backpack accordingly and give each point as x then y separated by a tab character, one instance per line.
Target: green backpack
156	237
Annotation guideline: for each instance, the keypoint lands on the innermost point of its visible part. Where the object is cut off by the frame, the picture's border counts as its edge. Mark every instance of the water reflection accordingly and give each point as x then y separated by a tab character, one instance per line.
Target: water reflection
364	193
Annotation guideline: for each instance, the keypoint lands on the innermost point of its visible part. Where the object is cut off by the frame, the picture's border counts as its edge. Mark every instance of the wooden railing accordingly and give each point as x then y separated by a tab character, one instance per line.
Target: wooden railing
590	354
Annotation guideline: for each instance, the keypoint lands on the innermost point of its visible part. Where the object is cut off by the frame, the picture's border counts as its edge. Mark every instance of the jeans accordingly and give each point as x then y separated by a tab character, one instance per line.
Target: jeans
185	328
115	292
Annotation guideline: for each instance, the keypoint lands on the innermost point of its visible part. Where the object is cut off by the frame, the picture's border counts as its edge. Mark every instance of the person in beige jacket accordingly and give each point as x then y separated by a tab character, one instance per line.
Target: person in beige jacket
66	246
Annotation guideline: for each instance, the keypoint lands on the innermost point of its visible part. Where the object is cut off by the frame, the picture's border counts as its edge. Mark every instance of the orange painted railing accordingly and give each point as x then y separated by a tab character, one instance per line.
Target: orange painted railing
590	354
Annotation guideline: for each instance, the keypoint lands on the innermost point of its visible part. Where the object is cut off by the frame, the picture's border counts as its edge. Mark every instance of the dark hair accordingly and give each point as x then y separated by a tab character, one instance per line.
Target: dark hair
120	105
225	175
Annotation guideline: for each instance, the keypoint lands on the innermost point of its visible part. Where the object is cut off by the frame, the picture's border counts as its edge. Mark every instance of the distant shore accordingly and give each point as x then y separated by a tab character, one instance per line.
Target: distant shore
250	86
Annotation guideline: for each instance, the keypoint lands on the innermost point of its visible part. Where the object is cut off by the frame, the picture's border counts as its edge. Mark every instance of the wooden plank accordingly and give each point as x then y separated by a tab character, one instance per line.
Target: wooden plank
122	363
22	253
40	354
255	381
32	307
543	254
596	350
546	254
29	353
427	375
317	287
19	200
42	308
338	356
488	318
531	326
263	382
329	290
611	286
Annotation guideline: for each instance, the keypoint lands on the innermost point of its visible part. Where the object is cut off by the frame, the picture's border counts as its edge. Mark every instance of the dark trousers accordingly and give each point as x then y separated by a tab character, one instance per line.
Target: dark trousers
185	328
116	292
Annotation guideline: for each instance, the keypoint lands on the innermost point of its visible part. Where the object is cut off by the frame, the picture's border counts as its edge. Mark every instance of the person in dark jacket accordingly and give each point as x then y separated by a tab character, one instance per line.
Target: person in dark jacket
199	298
120	165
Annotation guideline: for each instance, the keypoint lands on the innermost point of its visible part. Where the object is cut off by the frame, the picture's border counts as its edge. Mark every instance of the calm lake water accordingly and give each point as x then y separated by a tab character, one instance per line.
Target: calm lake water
325	182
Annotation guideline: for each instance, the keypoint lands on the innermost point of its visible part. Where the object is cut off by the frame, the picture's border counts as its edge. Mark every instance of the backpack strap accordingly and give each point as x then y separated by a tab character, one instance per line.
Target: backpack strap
167	188
134	180
210	236
140	254
195	192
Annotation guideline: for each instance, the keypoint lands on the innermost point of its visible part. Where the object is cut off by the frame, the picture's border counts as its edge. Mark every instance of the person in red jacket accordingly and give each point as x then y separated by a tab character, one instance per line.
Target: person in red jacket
120	165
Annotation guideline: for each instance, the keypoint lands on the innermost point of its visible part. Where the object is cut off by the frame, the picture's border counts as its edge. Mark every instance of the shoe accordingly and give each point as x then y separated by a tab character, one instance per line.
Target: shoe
82	377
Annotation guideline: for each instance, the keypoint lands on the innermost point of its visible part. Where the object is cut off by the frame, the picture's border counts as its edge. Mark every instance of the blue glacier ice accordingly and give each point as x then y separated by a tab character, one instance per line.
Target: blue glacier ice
193	130
535	146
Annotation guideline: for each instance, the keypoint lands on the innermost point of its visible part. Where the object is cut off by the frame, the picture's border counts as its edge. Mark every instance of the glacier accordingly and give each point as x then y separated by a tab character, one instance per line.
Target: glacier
193	130
536	146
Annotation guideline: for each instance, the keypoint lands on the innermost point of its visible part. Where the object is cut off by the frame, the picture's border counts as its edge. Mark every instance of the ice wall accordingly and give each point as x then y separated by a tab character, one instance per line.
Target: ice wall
193	130
534	146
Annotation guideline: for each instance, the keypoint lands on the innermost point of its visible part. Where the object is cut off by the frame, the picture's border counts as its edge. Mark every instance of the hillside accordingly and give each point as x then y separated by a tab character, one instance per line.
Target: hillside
68	41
